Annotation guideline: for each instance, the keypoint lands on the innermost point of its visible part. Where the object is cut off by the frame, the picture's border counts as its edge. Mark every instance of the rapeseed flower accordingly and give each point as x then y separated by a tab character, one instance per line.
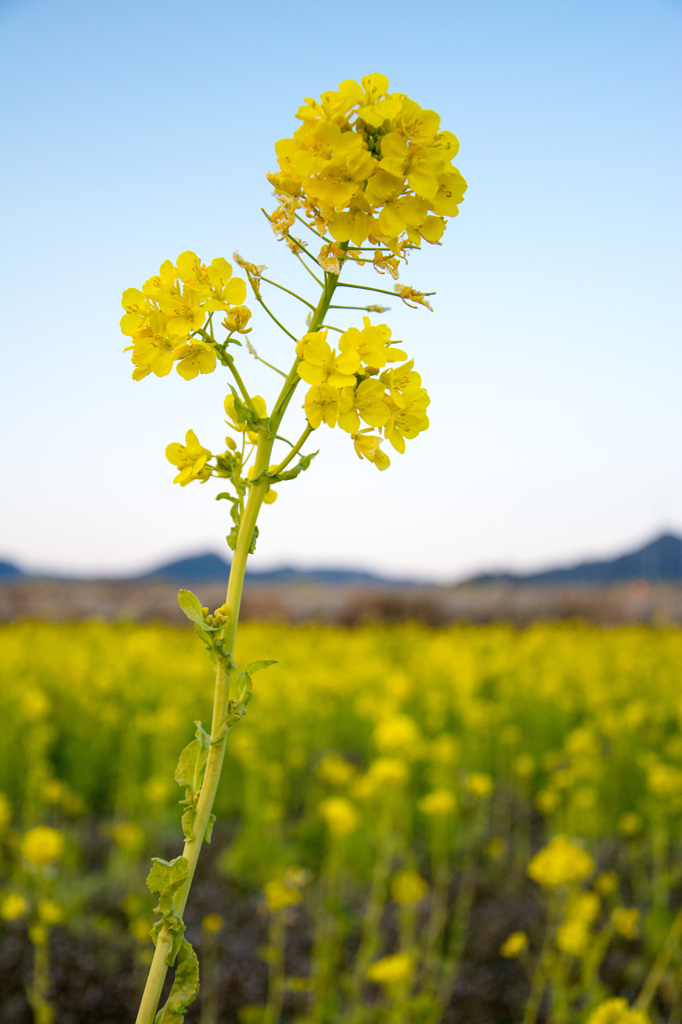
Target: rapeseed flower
43	845
561	862
190	458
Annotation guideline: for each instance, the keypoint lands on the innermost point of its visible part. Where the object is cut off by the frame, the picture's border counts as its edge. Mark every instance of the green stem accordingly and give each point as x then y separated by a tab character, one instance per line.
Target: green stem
257	491
660	964
307	268
295	450
289	292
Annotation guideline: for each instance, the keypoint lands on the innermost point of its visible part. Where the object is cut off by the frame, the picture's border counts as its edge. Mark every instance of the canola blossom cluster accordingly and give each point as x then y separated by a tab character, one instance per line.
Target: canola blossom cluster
164	317
351	386
368	165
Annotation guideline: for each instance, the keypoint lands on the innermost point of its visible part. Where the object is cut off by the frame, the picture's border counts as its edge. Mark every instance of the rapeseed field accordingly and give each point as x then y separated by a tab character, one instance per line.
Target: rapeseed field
468	824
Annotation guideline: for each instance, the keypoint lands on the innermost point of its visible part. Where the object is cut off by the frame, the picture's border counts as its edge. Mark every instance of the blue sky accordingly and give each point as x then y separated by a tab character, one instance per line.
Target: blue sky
135	130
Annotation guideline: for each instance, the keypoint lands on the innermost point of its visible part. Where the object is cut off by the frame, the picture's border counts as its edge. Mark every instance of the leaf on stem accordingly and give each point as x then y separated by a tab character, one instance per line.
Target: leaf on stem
185	987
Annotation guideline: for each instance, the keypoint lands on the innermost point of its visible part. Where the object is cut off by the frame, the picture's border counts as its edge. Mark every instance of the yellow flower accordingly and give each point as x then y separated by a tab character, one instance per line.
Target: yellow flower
367	447
43	845
514	945
5	812
50	912
386	771
372	344
561	862
226	290
408	887
617	1011
185	311
321	365
128	836
391	969
195	357
334	769
12	906
572	937
340	815
398	733
322	405
630	824
279	895
478	784
625	921
439	803
607	882
366	163
236	320
212	923
190	458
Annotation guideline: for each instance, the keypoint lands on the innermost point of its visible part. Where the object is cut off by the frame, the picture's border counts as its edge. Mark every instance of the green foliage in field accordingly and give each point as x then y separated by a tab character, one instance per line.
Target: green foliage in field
383	779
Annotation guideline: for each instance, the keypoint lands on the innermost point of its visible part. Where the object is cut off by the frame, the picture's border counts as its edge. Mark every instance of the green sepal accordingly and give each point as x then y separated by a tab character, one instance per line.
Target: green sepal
193	609
245	414
185	987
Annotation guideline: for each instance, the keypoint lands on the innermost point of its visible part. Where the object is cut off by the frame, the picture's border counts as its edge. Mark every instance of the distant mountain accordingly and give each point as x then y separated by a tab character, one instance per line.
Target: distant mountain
212	568
8	571
660	561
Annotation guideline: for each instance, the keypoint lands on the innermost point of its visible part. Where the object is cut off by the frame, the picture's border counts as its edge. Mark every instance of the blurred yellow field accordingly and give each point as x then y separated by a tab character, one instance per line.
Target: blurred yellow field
381	805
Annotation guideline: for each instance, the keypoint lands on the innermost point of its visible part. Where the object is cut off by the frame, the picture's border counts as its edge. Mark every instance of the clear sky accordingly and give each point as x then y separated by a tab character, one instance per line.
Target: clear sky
137	129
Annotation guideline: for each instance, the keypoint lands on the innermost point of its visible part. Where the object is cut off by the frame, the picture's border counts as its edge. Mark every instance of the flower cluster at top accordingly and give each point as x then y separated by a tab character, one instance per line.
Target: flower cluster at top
351	386
368	165
164	318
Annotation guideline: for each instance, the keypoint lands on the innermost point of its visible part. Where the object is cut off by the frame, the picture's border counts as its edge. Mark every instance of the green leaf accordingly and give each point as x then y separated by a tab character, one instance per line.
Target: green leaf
167	875
258	666
228	497
232	538
193	609
185	987
209	828
254	538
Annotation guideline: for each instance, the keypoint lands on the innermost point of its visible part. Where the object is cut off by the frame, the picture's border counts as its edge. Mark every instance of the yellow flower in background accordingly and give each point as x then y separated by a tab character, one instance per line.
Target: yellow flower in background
13	906
279	895
6	812
340	814
50	912
478	784
561	862
408	887
625	921
439	803
396	734
212	923
336	770
514	945
391	969
43	845
190	458
617	1011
